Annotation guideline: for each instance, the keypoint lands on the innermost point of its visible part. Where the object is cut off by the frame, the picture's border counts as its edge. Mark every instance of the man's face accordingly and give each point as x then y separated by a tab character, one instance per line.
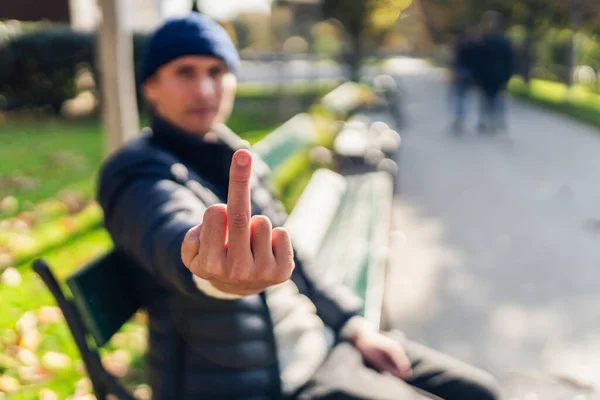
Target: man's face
192	92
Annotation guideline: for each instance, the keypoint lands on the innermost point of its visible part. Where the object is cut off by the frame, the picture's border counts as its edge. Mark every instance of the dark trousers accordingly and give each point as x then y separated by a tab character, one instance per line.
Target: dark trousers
435	376
461	89
492	111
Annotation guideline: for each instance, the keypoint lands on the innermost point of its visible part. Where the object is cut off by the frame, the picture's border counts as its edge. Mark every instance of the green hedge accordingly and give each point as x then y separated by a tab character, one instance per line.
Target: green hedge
551	51
576	102
38	69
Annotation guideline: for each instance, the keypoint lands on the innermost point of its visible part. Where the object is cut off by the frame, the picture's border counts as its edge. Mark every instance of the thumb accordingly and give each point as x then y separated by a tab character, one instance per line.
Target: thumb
190	245
400	361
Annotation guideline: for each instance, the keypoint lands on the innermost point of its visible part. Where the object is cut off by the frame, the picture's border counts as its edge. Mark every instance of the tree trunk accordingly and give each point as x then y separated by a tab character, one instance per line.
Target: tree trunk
428	20
576	21
278	35
570	60
356	51
119	103
527	60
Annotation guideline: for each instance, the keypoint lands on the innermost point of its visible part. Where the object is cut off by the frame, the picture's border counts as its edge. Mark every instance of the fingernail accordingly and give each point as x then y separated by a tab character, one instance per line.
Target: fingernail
242	159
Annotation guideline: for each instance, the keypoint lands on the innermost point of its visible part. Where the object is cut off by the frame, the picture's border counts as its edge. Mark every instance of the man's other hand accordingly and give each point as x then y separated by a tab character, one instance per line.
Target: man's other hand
383	353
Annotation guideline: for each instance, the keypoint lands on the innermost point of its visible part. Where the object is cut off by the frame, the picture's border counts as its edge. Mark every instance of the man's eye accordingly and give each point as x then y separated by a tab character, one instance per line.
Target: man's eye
216	72
185	73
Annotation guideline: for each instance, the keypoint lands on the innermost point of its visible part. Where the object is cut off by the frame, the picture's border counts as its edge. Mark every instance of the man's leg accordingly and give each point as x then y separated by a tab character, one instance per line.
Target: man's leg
501	111
344	376
461	97
494	112
446	377
484	110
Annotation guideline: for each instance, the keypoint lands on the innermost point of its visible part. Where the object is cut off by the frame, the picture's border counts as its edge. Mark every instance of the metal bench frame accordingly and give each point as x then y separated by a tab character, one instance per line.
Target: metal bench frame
103	382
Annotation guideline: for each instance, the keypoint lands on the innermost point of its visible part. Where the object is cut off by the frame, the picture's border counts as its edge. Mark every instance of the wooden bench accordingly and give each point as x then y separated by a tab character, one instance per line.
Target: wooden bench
341	225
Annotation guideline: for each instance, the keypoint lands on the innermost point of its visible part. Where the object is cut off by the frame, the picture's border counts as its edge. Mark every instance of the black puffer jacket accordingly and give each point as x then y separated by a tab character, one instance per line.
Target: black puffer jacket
152	191
494	61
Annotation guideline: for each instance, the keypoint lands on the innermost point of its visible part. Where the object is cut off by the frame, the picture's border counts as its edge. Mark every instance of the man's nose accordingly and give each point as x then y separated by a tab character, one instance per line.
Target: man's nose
206	87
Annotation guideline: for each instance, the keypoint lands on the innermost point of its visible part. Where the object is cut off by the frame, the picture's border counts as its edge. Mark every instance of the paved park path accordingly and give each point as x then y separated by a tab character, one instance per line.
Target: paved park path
496	248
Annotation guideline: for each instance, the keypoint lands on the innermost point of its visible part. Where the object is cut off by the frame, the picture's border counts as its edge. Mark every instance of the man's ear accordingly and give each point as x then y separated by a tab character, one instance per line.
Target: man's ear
150	94
149	89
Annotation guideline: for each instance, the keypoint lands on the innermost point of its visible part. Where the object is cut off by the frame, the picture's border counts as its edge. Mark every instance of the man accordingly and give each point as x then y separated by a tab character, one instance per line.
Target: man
494	70
464	52
232	312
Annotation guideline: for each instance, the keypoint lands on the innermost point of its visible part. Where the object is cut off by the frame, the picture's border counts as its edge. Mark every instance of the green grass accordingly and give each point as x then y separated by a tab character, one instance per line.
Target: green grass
23	247
63	261
577	102
53	154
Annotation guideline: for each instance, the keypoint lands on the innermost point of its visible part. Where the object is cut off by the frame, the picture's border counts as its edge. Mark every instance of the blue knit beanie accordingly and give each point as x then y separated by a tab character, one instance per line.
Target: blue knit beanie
194	34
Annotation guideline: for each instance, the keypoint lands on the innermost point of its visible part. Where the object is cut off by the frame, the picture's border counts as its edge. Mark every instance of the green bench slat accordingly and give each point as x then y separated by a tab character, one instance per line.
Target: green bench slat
354	250
103	296
314	212
374	286
294	135
363	210
349	242
359	279
345	251
330	258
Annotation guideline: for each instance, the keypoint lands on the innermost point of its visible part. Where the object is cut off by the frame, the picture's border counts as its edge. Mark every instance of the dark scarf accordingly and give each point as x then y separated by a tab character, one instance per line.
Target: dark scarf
210	159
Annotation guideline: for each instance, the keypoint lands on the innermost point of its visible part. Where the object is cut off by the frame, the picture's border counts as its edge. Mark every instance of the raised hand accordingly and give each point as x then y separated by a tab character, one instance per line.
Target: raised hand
235	253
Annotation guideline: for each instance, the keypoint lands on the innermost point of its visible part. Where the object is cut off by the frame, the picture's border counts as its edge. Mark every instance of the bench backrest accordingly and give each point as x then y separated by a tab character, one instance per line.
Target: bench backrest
341	226
314	212
295	134
104	296
345	98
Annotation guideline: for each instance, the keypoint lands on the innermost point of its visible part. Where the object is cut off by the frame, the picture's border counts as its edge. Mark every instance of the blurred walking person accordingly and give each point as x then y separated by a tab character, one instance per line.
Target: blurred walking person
463	68
493	71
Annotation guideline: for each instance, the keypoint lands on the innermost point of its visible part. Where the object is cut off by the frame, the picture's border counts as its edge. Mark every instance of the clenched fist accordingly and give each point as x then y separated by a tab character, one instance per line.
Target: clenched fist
235	253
